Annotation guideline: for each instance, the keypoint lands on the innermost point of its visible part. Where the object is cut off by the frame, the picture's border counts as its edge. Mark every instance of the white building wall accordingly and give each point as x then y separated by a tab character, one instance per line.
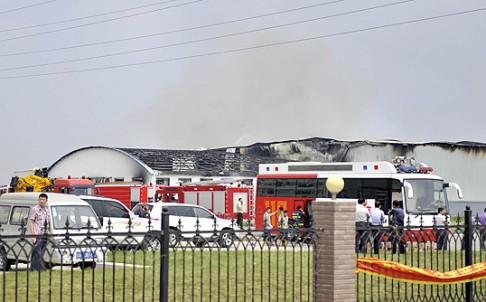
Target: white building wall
100	162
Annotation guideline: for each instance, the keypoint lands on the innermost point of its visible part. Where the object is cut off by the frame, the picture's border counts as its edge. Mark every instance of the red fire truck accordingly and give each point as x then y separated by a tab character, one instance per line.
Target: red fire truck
129	193
73	186
219	198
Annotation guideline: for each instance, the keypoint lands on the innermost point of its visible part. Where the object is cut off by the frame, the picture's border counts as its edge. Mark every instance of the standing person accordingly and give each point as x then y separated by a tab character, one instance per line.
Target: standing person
441	234
39	225
284	220
377	219
482	236
284	225
280	216
397	220
361	222
267	224
239	213
298	217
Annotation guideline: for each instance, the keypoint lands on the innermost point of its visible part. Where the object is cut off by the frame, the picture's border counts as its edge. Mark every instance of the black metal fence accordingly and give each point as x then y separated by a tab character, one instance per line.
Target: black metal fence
438	248
242	265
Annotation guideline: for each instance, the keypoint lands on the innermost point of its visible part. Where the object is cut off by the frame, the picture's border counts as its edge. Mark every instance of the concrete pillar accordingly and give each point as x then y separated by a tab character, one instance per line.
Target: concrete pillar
336	258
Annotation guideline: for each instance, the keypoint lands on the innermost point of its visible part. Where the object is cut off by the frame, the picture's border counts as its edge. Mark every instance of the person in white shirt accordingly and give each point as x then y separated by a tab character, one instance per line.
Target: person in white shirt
267	223
239	213
362	216
441	221
377	219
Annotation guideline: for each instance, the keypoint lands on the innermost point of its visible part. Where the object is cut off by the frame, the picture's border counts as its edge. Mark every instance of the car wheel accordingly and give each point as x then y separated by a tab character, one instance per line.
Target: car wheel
198	241
174	237
226	238
4	262
152	242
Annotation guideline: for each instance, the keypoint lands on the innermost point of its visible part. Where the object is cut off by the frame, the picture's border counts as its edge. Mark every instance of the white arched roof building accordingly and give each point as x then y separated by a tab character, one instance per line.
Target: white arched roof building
102	163
155	166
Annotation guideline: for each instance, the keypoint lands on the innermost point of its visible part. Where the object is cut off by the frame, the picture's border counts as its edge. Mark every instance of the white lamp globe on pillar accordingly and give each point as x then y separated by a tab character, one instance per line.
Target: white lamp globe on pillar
334	184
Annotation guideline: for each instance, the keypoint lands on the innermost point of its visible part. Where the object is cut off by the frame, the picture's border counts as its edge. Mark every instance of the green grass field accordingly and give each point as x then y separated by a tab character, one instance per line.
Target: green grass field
226	275
201	275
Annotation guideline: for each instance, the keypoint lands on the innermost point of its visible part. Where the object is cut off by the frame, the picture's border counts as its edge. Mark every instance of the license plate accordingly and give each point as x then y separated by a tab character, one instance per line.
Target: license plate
84	255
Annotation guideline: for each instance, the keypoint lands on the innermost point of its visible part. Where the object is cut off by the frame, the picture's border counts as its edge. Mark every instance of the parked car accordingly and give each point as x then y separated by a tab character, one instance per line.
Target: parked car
115	217
68	244
184	219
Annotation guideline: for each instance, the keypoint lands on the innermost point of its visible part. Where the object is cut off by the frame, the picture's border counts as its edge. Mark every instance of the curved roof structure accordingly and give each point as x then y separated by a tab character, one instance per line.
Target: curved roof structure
70	154
100	162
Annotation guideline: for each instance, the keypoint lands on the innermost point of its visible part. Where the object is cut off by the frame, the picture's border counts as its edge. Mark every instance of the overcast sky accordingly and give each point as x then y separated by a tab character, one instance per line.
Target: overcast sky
184	74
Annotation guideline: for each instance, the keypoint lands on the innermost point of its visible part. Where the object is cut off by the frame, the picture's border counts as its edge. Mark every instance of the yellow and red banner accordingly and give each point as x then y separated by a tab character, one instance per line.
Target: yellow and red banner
401	272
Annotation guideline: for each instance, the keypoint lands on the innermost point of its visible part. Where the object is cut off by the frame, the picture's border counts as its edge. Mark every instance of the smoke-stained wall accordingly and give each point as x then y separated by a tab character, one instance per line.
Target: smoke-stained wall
463	163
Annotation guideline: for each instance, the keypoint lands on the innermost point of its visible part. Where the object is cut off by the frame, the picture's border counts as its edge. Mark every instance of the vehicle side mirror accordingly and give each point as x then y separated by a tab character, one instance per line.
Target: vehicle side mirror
455	186
100	218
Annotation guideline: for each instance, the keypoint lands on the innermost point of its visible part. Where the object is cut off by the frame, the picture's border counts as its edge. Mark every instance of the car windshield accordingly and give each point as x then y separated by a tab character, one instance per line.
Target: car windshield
428	196
74	217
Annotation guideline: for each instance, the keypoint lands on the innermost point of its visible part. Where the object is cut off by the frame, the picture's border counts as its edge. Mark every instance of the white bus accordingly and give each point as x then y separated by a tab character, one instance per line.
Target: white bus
419	192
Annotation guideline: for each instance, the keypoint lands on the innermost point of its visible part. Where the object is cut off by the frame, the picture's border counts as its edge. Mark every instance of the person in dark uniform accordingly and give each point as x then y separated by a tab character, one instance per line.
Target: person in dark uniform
298	217
397	221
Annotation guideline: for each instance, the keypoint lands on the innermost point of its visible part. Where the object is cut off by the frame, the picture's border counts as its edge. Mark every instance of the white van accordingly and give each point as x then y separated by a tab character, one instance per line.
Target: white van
183	220
115	217
78	249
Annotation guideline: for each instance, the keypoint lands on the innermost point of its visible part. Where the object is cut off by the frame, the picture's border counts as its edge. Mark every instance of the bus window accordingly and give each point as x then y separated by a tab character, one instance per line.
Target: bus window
285	187
306	187
266	187
322	191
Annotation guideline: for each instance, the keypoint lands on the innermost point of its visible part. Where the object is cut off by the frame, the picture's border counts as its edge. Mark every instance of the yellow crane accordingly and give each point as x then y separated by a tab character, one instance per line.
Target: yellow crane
31	183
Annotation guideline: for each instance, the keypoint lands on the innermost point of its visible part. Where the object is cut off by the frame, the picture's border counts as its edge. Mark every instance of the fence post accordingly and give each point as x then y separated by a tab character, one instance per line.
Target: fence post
164	257
468	232
335	278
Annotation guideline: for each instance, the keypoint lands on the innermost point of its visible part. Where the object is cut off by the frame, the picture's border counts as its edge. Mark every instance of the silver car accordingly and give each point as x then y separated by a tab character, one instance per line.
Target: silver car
70	221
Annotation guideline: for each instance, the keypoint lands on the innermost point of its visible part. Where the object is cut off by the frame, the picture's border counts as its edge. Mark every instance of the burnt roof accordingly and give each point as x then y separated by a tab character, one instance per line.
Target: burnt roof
203	162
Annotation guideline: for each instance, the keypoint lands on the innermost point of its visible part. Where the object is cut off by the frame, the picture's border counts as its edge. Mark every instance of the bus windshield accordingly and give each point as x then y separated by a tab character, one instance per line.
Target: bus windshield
428	196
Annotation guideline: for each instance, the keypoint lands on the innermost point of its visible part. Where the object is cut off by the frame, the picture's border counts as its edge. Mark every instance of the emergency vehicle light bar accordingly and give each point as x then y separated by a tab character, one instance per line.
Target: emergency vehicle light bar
414	169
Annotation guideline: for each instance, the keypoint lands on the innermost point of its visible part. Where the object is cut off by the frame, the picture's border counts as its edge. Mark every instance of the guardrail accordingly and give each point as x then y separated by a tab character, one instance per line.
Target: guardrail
164	265
437	248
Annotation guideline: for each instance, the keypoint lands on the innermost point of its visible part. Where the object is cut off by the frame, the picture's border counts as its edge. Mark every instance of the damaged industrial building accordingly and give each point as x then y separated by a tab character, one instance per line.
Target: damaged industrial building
461	162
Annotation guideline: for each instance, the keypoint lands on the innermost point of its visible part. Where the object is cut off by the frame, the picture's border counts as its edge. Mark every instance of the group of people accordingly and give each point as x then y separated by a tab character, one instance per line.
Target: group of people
284	221
375	218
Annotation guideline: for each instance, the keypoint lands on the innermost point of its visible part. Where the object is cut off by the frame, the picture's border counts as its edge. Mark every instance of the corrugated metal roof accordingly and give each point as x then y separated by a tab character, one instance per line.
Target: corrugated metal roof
210	162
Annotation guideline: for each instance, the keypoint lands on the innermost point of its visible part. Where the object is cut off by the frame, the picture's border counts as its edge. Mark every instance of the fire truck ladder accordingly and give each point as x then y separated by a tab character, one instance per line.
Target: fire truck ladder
251	204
